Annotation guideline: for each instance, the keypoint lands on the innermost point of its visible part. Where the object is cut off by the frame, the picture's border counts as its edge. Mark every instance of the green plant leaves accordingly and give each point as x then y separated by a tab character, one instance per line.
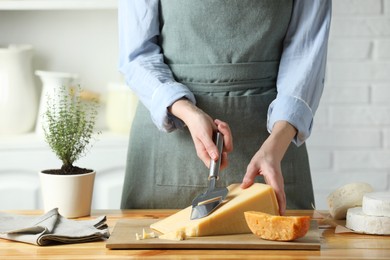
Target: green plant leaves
70	124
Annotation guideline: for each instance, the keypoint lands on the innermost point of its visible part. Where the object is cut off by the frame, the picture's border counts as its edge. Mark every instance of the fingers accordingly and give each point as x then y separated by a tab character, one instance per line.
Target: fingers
224	128
211	148
202	133
282	202
206	149
272	176
250	175
278	187
224	160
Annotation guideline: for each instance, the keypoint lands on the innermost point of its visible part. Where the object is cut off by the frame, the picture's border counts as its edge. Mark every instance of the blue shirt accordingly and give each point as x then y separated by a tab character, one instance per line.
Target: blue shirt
299	83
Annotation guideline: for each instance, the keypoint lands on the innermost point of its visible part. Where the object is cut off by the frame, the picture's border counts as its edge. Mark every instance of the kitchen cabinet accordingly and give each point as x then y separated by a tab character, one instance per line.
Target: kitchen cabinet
22	157
57	4
77	36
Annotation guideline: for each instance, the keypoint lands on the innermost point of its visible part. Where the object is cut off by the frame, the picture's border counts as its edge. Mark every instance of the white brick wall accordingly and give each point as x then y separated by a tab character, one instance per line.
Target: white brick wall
351	136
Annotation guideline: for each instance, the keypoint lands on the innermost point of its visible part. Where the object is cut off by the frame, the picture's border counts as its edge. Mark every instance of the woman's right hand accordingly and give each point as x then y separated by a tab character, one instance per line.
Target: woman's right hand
201	127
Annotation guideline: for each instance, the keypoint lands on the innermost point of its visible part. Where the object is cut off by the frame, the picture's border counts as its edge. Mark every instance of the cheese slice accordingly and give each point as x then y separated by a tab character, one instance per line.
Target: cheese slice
376	204
345	197
228	218
177	235
145	235
362	223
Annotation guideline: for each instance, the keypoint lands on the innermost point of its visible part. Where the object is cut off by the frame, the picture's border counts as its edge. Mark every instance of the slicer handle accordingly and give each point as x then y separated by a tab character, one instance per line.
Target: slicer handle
215	165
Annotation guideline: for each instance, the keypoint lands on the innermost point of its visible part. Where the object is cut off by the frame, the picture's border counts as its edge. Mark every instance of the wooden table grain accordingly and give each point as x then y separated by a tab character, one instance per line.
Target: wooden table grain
333	246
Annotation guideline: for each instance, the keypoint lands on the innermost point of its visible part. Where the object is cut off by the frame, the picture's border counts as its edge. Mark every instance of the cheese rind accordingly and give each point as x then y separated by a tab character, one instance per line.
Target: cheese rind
362	223
228	218
345	197
280	228
376	204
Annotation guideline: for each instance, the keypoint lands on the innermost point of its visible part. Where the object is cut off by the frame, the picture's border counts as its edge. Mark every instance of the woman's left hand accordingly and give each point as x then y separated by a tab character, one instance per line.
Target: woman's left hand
267	161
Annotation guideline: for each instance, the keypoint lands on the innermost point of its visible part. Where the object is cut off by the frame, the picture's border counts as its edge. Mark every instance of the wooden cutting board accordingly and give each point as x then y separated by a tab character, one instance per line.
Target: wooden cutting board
123	237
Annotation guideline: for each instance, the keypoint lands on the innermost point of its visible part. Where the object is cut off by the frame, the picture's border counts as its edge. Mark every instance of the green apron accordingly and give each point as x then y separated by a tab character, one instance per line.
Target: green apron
227	53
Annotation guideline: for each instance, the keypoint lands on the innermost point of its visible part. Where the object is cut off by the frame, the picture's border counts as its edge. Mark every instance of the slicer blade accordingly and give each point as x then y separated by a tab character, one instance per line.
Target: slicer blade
204	210
207	202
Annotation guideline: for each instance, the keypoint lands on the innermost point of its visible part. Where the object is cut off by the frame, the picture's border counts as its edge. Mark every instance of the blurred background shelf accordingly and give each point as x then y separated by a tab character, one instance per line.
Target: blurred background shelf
76	36
57	4
23	156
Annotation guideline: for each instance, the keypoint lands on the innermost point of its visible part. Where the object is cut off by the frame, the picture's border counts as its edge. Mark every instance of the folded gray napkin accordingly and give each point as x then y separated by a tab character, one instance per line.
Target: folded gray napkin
51	228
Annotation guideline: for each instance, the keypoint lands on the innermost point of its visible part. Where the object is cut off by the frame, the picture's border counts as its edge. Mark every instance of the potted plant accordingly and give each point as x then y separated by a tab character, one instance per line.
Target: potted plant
68	125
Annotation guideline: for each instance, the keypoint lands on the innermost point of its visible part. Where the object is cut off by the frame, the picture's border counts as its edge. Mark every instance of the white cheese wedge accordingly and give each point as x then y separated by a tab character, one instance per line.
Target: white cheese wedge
345	197
362	223
376	204
228	218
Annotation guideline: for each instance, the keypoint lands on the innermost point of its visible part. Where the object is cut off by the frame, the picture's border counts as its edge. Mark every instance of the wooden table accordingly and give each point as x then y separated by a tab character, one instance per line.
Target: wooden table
333	246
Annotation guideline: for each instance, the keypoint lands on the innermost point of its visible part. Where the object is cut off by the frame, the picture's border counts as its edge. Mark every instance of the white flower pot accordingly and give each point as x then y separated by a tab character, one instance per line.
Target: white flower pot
71	194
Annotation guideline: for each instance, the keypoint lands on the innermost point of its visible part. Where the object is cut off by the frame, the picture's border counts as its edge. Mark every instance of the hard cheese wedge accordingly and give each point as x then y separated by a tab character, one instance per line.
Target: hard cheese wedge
228	218
279	228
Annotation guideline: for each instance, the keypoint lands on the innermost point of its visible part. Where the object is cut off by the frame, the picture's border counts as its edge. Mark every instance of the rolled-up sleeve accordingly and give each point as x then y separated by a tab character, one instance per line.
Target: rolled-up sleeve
142	63
301	74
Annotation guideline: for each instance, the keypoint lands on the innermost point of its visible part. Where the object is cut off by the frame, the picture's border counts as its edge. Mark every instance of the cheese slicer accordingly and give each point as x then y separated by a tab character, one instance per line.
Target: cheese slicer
209	201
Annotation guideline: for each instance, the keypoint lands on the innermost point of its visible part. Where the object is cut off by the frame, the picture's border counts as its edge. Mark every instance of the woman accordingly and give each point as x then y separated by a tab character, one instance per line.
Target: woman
251	69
